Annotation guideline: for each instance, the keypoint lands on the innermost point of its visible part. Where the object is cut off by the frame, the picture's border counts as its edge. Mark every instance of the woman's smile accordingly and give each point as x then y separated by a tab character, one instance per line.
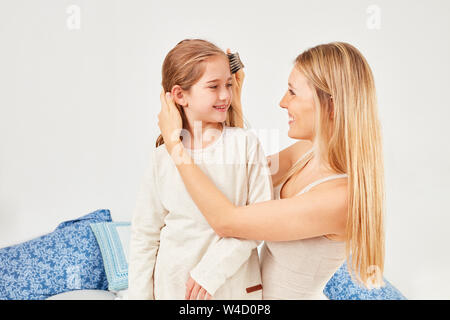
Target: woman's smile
291	119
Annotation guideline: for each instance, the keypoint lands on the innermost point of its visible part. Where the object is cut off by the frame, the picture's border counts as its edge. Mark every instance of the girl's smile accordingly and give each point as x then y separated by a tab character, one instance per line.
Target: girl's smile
222	108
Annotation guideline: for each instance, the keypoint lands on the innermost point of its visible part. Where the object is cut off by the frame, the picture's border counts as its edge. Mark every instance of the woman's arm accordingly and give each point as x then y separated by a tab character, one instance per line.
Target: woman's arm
321	211
315	213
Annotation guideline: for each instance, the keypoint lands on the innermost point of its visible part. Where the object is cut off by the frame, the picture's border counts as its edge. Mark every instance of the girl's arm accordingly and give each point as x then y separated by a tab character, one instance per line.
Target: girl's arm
321	211
146	224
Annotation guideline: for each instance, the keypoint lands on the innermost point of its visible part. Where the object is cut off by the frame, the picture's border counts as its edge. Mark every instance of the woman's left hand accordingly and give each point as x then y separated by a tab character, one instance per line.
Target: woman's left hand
237	81
170	122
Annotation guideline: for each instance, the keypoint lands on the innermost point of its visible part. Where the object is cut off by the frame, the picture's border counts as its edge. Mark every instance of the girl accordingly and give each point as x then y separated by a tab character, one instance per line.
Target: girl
171	241
329	187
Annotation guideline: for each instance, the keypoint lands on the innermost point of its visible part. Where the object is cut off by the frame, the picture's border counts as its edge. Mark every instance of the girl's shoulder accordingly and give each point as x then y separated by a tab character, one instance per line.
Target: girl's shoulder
244	142
241	134
159	151
160	156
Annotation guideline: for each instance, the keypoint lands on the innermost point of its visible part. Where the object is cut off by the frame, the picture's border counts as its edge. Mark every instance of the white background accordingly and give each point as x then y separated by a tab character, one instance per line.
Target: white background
79	106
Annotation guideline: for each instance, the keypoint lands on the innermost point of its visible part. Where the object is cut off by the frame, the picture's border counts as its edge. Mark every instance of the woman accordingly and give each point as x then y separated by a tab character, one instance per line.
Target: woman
329	187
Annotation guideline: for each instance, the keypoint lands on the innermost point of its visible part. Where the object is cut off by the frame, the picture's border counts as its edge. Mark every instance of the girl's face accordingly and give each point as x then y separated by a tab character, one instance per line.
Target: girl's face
299	102
209	99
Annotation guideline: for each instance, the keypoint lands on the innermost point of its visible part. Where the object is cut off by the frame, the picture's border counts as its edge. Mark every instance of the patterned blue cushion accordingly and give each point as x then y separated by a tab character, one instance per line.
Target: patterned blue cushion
113	239
342	287
66	259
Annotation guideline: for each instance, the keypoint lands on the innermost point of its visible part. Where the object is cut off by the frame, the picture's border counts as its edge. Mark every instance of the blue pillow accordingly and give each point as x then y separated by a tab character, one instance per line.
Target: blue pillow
342	287
66	259
113	239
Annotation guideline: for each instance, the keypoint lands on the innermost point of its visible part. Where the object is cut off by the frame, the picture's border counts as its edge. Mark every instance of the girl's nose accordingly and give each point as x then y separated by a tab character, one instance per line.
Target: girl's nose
224	94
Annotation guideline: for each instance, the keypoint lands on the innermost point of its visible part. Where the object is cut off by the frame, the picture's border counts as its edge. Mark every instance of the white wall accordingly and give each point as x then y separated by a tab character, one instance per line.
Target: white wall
79	106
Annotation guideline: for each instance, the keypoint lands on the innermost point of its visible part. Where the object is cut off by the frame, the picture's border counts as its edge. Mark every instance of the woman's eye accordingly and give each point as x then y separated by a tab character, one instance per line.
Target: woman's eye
213	87
291	92
229	85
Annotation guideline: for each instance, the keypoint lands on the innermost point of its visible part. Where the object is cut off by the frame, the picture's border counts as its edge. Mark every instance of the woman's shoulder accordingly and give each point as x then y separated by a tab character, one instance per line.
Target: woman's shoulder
297	150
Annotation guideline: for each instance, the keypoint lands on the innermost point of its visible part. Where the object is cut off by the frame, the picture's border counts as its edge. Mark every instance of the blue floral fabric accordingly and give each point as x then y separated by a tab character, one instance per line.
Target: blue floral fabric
67	259
342	287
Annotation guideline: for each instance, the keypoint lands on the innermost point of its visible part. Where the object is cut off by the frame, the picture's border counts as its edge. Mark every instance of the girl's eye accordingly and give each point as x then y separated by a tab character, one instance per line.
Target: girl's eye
291	92
215	87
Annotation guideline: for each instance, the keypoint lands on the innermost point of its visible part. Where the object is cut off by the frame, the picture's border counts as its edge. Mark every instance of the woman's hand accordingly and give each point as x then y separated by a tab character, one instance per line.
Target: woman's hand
194	290
237	81
170	124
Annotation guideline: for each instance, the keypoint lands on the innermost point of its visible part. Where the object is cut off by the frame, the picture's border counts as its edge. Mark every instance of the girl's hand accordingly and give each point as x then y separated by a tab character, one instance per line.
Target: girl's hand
194	290
170	123
237	81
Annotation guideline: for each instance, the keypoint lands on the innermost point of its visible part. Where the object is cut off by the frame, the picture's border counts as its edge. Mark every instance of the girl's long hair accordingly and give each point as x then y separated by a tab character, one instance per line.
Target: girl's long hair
348	137
184	65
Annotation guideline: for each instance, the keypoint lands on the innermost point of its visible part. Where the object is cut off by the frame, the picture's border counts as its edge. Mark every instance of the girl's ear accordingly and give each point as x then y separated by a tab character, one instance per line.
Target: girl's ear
179	96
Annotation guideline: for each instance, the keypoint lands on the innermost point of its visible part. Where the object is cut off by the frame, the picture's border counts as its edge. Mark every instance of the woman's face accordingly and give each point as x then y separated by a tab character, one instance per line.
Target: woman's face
299	102
209	99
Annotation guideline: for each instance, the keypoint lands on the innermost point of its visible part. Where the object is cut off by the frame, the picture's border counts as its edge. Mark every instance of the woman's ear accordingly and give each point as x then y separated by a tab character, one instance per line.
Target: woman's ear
179	96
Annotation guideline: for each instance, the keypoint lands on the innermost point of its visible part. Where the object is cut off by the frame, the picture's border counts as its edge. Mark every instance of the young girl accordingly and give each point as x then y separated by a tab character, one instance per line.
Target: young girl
172	246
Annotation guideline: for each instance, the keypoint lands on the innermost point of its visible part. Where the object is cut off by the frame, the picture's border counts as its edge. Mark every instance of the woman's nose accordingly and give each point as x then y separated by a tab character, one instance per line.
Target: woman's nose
283	103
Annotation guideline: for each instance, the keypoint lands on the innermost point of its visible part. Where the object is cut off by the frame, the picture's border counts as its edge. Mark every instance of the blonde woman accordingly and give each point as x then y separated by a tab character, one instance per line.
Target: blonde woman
329	188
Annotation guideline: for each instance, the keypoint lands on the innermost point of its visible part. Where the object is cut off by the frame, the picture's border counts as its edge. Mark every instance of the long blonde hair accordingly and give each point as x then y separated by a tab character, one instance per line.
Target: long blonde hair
184	66
348	138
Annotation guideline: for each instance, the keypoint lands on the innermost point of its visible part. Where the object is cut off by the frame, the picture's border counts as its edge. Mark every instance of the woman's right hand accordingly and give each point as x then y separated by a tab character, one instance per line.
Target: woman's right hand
237	81
169	122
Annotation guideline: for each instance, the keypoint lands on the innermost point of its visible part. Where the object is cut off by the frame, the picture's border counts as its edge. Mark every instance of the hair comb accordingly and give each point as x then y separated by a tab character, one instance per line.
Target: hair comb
235	62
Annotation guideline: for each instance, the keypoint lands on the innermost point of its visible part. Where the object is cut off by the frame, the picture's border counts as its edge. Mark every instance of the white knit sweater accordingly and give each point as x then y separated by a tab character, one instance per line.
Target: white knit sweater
170	237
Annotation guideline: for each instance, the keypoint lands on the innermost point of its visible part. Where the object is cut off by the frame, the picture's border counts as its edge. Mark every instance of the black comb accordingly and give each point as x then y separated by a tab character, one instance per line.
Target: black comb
235	62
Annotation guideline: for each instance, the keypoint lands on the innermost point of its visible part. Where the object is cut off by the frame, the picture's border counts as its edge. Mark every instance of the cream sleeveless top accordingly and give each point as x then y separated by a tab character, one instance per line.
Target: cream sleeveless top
300	269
